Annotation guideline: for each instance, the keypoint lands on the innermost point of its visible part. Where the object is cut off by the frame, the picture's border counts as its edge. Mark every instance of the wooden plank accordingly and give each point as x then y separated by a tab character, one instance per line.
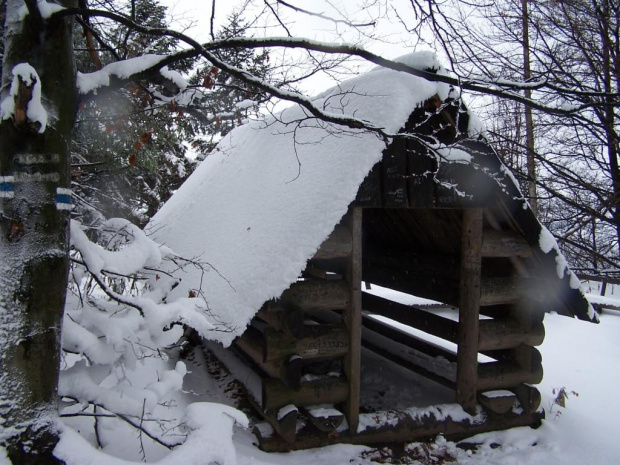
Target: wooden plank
469	309
317	295
337	245
505	243
287	319
328	390
352	319
318	341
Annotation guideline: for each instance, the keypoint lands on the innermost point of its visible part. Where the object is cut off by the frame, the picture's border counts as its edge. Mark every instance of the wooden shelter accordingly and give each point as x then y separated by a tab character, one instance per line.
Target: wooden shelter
455	232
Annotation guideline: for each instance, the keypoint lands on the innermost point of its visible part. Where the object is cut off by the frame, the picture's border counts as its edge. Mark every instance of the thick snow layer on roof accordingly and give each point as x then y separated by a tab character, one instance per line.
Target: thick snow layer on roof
263	202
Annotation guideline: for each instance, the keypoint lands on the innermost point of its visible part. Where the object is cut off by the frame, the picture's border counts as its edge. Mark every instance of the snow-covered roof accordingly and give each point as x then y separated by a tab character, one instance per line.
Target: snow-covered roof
264	200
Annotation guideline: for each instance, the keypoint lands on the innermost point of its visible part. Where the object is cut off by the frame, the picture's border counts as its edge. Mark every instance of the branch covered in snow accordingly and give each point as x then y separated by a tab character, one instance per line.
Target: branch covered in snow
501	88
23	104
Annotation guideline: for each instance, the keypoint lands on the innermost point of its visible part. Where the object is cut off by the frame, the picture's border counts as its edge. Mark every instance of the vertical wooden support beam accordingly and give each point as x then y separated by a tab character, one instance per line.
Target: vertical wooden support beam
469	309
353	320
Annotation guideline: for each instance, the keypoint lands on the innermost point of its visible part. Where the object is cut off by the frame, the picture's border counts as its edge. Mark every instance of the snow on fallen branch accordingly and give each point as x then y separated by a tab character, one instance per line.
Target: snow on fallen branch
209	440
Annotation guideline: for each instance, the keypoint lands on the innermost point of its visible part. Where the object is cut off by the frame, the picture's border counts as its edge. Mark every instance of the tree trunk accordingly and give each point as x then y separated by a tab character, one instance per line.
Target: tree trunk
34	229
529	120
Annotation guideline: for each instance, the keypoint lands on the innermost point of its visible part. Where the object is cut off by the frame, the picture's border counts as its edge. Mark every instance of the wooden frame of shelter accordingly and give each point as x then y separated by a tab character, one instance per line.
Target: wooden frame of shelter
448	231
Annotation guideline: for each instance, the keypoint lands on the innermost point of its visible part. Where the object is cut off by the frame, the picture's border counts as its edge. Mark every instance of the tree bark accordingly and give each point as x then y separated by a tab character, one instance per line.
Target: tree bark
34	232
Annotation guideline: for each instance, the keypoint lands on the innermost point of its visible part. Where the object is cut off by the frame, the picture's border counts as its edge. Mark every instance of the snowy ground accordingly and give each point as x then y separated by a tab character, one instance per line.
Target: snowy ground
581	357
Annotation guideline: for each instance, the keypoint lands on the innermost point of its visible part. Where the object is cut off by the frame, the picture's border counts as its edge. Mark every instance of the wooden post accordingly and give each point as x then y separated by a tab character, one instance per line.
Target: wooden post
353	320
469	309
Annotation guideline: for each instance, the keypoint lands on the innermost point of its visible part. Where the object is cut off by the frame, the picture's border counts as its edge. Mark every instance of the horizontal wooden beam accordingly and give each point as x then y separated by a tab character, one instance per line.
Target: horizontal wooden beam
318	341
404	427
327	390
411	316
508	333
494	334
434	367
502	375
504	243
317	295
407	339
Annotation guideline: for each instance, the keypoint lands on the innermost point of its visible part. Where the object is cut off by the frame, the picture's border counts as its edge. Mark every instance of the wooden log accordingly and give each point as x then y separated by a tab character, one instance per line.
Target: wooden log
337	245
352	318
437	368
328	390
318	341
493	290
324	417
527	357
411	316
406	339
316	295
312	271
427	286
288	370
419	263
404	427
503	375
287	319
529	397
497	401
336	265
283	421
504	243
469	307
494	334
506	333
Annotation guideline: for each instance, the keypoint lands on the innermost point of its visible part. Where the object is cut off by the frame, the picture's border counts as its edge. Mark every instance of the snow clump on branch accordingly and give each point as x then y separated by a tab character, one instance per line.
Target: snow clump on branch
25	77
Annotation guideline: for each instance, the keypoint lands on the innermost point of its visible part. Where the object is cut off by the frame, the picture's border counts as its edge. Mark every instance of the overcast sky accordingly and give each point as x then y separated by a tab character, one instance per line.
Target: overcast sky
395	40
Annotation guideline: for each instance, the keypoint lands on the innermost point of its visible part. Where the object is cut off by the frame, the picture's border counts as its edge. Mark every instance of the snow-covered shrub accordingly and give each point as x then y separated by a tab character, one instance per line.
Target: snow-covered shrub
121	341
